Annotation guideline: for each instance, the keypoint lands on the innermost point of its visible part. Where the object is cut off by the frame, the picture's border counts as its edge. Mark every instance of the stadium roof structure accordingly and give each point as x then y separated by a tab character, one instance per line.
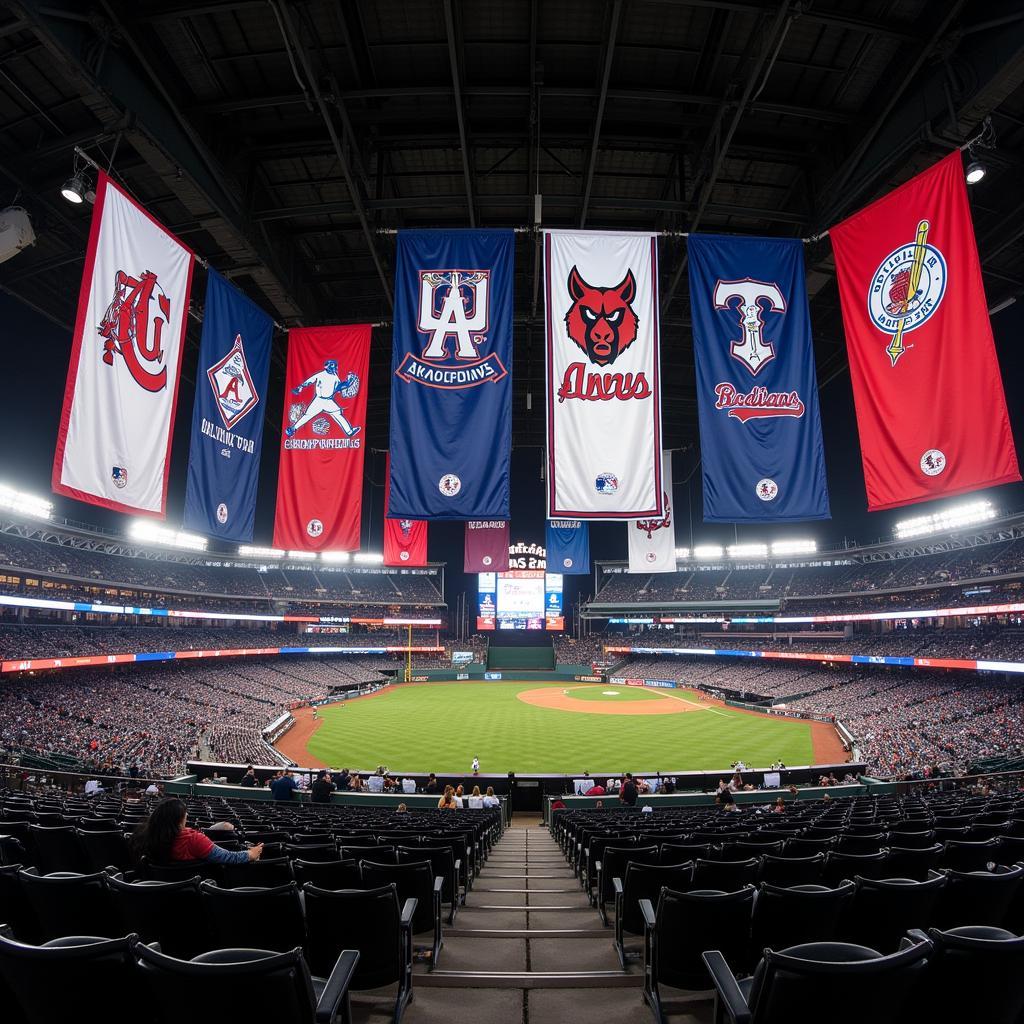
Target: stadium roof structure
286	142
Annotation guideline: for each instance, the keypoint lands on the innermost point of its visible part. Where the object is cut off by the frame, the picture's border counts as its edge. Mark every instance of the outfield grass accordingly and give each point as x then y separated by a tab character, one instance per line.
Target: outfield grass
440	727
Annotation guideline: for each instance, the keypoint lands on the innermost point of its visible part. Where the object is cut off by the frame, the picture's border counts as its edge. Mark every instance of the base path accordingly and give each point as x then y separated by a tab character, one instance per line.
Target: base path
562	700
293	743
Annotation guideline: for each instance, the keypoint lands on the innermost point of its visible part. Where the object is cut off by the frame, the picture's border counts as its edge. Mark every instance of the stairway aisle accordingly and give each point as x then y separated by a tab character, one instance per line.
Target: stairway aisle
528	947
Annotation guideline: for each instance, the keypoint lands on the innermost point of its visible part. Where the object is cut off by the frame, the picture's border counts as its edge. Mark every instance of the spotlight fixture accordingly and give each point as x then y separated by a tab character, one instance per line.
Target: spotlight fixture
73	190
976	170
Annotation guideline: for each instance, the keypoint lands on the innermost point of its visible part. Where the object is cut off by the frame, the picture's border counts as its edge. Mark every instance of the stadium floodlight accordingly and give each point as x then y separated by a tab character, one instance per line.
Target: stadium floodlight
335	556
976	170
149	533
25	504
747	550
954	518
706	551
369	558
248	551
302	555
74	189
682	552
794	547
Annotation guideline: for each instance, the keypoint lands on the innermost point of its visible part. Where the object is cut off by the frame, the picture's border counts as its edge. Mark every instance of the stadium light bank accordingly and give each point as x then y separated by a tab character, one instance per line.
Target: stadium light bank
338	557
948	519
248	551
25	504
369	558
149	533
747	550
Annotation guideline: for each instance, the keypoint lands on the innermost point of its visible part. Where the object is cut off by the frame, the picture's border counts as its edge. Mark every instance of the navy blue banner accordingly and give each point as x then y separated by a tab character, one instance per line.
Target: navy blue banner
568	546
451	386
760	428
227	418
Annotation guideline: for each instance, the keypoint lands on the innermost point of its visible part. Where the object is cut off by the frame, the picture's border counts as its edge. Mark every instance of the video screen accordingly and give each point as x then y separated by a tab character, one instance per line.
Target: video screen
520	599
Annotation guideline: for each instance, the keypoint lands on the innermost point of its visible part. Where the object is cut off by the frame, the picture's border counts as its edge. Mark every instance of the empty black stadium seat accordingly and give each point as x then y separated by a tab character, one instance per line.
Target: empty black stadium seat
643	882
978	897
56	849
69	903
260	918
164	912
267	871
968	855
442	864
724	875
786	870
413	881
883	910
613	865
328	874
912	863
840	866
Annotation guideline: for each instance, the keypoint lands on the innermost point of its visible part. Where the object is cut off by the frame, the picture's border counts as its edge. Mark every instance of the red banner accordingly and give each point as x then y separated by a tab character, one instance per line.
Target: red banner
320	478
486	546
931	412
405	540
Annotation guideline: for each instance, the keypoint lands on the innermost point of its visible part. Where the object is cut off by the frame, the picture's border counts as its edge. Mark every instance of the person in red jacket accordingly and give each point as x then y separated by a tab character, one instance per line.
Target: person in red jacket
163	838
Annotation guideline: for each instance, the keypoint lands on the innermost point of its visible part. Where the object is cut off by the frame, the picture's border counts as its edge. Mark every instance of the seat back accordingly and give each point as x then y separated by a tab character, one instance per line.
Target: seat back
645	882
15	910
684	853
840	866
968	855
368	921
614	861
974	973
253	917
231	984
311	851
53	984
267	872
725	875
912	863
785	917
67	903
378	854
105	849
978	897
164	912
328	874
687	923
883	910
56	848
785	870
442	864
413	880
854	982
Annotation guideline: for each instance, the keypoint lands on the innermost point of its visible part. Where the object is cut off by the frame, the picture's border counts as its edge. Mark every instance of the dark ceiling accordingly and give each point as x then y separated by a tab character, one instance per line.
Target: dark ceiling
286	141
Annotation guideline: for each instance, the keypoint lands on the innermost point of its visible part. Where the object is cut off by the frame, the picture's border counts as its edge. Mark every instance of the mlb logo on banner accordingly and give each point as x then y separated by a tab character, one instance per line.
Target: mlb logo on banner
451	390
603	387
227	416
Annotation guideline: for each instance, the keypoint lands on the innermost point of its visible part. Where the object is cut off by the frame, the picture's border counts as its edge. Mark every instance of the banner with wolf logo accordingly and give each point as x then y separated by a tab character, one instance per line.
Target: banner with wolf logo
405	540
451	385
227	416
762	457
114	437
652	541
603	386
931	412
320	477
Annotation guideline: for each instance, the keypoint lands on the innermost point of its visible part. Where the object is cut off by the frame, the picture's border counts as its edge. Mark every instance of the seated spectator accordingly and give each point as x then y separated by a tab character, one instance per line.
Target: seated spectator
321	790
402	809
375	784
163	838
356	784
597	790
249	778
448	801
476	801
779	806
432	784
490	800
408	785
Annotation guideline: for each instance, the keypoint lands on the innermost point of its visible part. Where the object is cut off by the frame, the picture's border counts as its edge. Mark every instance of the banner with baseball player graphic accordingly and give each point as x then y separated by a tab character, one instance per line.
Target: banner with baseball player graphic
320	477
762	456
405	540
568	546
227	417
486	546
603	386
114	437
652	541
451	383
931	411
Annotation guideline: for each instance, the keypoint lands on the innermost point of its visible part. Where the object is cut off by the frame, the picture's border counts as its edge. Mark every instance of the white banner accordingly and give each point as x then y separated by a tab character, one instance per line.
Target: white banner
604	392
113	445
652	541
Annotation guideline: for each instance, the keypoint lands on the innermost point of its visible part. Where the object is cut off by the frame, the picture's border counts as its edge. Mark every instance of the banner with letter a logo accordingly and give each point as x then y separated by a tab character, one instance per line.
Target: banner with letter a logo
320	478
760	428
568	546
227	417
486	546
652	542
451	388
114	438
405	540
604	393
931	412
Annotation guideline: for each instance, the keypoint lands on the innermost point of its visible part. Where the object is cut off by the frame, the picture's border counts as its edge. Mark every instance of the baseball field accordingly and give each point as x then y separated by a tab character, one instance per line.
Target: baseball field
531	727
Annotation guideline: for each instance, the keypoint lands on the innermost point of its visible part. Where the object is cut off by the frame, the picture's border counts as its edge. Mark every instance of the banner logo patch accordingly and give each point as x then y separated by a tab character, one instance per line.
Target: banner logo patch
233	389
126	324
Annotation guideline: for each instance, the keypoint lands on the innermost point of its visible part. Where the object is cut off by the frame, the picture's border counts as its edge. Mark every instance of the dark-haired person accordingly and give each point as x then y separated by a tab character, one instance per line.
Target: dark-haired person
249	778
628	792
163	838
321	790
283	786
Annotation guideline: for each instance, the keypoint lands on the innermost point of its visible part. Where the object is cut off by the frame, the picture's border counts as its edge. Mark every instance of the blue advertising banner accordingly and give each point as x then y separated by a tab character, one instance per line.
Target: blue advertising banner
760	427
568	546
451	390
227	417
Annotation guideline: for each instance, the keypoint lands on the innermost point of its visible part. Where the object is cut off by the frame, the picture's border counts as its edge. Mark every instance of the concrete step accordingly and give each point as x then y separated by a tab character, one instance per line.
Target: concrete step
532	909
442	978
527	933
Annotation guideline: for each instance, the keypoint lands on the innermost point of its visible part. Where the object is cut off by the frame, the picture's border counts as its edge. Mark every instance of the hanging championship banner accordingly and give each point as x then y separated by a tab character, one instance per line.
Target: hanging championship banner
486	546
568	546
114	438
320	477
227	417
405	540
931	412
762	457
652	542
451	385
604	394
